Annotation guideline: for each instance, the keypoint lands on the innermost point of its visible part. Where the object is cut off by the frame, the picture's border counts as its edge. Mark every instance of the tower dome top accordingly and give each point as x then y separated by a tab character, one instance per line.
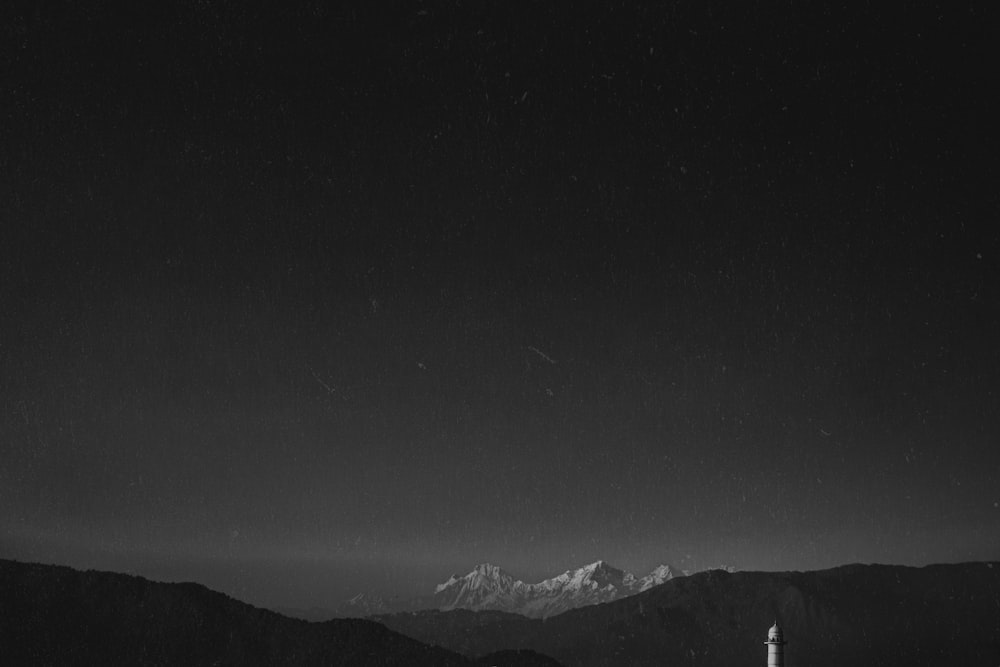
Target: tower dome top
775	633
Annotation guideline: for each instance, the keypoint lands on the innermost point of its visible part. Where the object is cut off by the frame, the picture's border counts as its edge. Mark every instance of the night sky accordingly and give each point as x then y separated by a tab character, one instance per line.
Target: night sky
313	301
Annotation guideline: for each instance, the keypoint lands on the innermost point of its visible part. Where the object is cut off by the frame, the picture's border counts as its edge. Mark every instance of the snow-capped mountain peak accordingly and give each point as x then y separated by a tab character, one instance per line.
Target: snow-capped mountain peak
598	574
660	574
488	570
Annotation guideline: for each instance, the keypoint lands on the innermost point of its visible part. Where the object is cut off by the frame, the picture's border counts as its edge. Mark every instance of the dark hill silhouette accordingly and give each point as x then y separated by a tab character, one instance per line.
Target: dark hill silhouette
521	658
471	633
53	615
856	614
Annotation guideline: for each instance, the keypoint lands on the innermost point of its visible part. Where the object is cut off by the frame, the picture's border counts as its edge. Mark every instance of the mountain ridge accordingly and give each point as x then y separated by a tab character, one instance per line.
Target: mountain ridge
56	615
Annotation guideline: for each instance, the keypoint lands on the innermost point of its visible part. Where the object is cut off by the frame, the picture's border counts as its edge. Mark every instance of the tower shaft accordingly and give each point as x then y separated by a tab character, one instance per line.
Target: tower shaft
775	654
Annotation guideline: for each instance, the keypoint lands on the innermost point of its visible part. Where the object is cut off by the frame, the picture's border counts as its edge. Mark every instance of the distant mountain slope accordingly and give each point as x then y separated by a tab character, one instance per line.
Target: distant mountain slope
487	587
857	614
51	615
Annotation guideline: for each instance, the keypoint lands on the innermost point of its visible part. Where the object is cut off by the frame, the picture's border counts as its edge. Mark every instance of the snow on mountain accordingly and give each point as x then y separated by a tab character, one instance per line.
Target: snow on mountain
489	587
362	605
727	568
451	580
659	575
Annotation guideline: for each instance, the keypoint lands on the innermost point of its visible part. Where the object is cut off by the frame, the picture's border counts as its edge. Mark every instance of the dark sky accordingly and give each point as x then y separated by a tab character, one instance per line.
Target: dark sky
319	300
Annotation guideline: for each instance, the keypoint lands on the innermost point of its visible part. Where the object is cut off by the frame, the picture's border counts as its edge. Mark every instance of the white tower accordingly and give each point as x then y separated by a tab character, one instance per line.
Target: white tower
775	647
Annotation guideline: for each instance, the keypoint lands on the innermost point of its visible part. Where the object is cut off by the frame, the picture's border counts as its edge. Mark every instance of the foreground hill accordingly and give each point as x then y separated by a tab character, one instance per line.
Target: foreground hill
856	614
51	615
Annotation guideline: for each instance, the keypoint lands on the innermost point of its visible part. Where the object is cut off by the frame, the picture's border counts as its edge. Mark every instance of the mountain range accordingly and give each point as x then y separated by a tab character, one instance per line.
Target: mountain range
487	587
853	614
